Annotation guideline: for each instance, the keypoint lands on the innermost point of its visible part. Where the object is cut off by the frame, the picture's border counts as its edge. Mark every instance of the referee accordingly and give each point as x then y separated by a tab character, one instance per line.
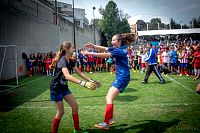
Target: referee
151	60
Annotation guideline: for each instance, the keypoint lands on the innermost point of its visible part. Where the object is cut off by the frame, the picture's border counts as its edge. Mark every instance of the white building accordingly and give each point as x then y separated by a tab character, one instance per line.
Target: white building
66	11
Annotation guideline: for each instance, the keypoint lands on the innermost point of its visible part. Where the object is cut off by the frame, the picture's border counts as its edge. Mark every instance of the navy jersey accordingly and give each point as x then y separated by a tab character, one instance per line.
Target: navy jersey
120	56
58	78
80	56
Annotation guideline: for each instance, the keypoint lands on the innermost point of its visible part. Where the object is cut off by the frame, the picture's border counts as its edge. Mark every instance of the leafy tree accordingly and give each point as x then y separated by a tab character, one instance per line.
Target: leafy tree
110	18
113	21
195	22
154	23
185	26
141	25
174	24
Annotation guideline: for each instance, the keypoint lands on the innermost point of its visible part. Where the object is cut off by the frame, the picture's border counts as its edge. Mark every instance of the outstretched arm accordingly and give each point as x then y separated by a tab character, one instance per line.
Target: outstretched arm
91	45
99	55
90	85
83	76
70	77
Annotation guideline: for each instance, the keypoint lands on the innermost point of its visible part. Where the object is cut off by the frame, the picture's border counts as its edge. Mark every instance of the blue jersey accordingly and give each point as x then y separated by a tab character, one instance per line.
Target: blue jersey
151	57
173	56
122	65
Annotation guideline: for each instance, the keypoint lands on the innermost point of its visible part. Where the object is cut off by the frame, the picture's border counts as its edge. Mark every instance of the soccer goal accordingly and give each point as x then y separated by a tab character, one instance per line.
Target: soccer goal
8	66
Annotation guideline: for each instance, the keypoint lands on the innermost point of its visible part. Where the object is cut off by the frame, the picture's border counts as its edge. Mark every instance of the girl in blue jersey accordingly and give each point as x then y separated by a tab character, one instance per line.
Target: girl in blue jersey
59	89
120	53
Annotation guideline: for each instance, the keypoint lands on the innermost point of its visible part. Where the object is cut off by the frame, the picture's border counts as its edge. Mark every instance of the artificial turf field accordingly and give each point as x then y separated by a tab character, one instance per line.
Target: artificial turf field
173	107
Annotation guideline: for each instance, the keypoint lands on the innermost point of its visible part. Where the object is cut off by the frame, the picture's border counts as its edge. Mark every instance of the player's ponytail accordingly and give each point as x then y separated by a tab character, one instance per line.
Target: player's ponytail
125	38
64	46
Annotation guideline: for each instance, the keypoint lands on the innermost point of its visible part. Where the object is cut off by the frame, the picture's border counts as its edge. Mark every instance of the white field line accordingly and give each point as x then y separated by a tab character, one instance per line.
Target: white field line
102	106
185	87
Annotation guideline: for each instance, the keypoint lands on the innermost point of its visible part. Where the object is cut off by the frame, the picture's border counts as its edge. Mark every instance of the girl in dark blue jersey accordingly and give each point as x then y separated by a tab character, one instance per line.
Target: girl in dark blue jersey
59	90
120	54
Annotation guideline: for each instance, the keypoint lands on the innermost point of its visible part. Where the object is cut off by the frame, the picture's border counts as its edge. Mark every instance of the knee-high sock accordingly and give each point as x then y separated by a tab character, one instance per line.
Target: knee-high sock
186	71
108	113
76	121
55	125
182	71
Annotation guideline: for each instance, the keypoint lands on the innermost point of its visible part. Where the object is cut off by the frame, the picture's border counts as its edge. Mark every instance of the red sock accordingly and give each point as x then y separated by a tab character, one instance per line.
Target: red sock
30	72
76	121
108	113
186	72
55	125
182	71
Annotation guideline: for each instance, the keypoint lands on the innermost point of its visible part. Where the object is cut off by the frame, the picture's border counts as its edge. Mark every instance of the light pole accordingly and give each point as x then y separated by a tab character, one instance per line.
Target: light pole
94	25
158	25
56	10
170	26
181	24
74	26
192	26
147	26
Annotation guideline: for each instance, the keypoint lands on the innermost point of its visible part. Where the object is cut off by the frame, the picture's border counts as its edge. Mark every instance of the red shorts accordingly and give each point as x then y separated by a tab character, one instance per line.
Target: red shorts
196	65
47	67
143	65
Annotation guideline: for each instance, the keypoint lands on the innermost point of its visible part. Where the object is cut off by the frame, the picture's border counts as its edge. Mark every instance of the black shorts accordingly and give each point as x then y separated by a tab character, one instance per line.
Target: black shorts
58	92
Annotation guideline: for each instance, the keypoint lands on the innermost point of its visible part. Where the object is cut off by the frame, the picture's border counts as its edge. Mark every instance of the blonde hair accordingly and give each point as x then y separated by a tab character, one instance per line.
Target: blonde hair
64	46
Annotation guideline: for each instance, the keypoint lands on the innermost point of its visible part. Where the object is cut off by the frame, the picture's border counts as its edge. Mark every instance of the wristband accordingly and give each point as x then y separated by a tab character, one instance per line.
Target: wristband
82	83
91	80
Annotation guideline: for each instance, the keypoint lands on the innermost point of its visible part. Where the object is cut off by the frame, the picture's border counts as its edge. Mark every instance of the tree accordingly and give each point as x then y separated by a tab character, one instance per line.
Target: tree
154	23
113	21
123	27
141	25
174	24
185	26
195	22
110	18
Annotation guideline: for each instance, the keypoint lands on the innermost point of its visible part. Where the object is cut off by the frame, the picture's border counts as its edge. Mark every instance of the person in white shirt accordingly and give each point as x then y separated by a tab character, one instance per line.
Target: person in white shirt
143	63
166	58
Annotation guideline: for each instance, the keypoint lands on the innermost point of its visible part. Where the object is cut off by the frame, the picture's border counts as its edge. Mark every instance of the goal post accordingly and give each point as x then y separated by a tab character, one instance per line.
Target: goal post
8	66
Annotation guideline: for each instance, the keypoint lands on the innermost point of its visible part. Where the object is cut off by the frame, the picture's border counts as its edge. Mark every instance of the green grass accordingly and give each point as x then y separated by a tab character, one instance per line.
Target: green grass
151	108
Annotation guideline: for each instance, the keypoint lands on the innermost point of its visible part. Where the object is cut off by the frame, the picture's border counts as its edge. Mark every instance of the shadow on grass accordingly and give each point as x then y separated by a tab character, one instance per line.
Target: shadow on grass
149	126
126	98
11	99
128	89
133	79
157	82
82	97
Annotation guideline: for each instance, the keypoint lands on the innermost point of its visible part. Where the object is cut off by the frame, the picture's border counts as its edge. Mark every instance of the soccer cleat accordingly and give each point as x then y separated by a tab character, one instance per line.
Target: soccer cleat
180	75
144	82
102	125
111	121
162	81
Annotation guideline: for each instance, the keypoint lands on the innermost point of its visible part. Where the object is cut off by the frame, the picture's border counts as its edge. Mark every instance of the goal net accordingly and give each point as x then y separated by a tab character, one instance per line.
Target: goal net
8	66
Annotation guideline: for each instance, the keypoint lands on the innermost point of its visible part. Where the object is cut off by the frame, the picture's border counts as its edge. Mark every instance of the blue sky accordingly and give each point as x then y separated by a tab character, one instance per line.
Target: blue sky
180	10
